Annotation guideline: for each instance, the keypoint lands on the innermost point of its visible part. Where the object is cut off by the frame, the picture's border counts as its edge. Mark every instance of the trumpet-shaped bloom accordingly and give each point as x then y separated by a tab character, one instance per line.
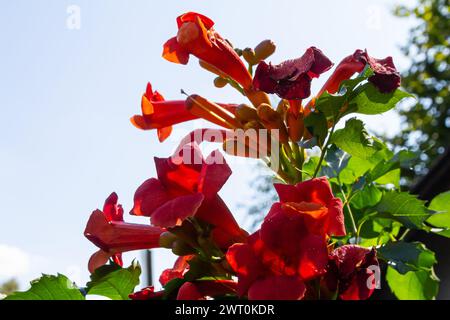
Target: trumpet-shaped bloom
196	36
386	77
261	272
315	192
107	230
352	272
291	79
161	115
187	186
291	246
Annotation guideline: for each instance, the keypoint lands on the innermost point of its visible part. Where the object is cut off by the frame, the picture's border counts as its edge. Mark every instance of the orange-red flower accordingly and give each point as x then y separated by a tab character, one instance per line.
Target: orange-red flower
262	273
345	70
315	193
351	272
187	186
196	36
291	246
386	77
292	79
160	114
107	230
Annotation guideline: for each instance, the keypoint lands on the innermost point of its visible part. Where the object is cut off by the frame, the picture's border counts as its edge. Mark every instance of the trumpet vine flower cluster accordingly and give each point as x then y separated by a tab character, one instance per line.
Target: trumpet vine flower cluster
339	221
331	183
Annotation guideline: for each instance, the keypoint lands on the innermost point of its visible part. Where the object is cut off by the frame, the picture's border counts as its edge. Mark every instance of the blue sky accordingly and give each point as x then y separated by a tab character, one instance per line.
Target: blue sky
66	97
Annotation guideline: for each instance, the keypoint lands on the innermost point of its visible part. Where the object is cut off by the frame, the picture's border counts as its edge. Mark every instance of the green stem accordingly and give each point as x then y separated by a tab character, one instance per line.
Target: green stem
403	236
323	150
350	212
297	161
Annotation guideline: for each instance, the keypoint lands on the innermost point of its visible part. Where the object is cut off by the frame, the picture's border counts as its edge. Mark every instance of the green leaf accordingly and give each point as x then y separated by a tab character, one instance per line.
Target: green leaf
336	160
405	208
330	105
387	170
355	169
49	287
171	287
371	101
405	257
441	219
377	231
369	196
114	282
418	285
336	105
310	166
354	140
317	125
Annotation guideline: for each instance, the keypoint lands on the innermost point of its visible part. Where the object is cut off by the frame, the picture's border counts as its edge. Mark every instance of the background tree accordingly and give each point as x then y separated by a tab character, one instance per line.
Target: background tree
427	123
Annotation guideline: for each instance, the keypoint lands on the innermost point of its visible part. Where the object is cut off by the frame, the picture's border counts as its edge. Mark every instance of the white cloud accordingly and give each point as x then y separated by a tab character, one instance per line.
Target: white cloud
14	262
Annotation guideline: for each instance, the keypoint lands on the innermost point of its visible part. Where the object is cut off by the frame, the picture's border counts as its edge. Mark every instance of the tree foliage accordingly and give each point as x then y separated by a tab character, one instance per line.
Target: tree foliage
427	122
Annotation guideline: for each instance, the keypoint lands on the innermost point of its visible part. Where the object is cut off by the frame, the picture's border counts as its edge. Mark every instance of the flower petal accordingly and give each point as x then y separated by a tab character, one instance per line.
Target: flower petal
173	52
148	197
277	288
175	211
200	290
215	172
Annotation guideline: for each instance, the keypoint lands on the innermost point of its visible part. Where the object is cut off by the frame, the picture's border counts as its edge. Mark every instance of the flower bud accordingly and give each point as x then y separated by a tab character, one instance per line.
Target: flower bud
220	82
295	125
267	114
254	124
238	51
282	107
264	50
181	248
246	113
211	111
166	240
272	120
249	56
257	97
238	148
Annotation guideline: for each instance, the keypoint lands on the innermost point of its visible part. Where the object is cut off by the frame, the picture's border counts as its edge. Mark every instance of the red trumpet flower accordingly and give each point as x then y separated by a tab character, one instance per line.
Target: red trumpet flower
291	79
352	272
160	114
315	193
107	230
274	264
187	186
386	78
196	36
262	273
